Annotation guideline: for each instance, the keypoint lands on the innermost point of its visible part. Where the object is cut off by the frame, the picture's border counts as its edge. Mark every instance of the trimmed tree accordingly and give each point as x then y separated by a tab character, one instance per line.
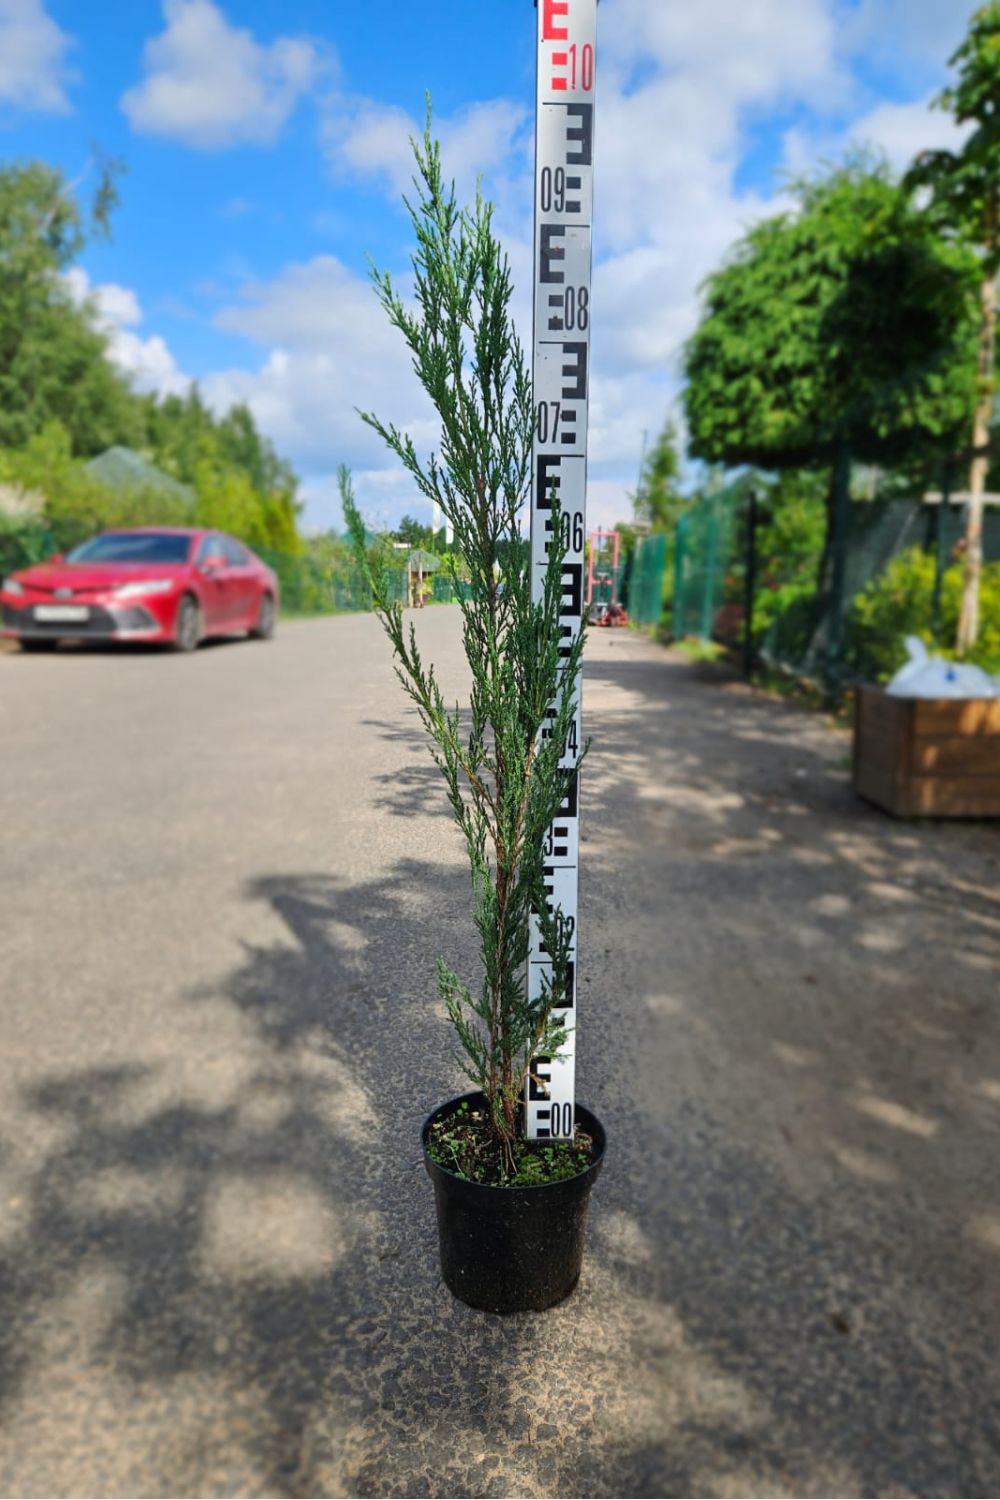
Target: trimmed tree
964	188
844	328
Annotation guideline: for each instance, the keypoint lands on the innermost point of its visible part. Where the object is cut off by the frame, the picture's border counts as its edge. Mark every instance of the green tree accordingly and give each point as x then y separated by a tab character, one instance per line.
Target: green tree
658	501
246	448
62	400
75	503
964	188
53	363
414	534
178	430
845	327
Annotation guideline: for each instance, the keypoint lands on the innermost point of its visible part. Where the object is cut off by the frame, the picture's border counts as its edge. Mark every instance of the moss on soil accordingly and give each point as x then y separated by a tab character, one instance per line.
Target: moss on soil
466	1145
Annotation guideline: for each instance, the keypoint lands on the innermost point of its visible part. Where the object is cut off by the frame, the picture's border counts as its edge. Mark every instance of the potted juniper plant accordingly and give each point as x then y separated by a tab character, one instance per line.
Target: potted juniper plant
511	1212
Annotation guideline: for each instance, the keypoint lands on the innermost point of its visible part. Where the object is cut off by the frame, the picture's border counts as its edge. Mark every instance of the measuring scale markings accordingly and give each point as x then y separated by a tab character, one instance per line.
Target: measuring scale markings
564	191
563	207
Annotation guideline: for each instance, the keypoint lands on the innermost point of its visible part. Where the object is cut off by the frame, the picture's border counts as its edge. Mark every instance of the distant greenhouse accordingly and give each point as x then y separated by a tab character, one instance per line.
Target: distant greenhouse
124	470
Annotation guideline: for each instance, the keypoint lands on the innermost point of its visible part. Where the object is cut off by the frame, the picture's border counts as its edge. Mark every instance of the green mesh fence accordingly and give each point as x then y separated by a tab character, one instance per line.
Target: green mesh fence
643	584
793	625
709	569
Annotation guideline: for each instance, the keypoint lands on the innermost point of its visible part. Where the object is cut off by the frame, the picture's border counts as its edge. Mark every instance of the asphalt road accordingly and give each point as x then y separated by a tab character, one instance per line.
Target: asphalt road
224	880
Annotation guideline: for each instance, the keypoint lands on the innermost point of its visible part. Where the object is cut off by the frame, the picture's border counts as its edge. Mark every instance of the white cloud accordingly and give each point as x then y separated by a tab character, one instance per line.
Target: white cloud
680	88
608	501
898	131
147	361
330	350
902	130
364	138
33	70
210	84
750	51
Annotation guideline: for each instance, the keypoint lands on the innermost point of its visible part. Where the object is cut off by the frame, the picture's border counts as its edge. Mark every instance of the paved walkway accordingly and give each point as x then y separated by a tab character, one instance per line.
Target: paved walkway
223	884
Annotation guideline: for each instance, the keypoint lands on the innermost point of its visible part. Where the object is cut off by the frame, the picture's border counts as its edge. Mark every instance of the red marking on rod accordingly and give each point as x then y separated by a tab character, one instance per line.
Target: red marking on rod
559	83
550	31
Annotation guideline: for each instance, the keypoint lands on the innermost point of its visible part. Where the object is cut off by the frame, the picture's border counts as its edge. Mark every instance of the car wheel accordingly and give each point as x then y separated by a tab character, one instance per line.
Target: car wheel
187	629
264	628
37	645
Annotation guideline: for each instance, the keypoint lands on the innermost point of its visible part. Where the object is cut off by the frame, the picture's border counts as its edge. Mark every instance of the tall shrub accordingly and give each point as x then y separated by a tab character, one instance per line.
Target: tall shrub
500	759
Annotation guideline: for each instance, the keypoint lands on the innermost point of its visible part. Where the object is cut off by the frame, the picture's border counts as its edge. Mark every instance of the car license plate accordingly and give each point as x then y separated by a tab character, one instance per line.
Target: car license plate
61	614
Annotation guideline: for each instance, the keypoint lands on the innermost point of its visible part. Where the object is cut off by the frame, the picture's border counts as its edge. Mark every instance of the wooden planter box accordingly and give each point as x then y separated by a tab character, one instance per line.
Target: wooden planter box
928	757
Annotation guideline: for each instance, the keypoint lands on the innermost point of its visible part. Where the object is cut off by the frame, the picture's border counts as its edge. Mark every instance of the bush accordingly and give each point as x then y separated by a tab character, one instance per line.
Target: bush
900	603
784	620
23	541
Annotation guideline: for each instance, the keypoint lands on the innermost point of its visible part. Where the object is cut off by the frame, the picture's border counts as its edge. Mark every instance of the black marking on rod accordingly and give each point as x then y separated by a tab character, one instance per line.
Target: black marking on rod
536	1081
549	881
571	601
568	806
560	851
584	133
547	479
566	633
549	253
569	988
556	325
574	372
537	1092
568	425
573	185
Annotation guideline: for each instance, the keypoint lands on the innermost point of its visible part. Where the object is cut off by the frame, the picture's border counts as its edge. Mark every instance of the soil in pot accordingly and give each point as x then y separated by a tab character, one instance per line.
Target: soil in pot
466	1146
515	1248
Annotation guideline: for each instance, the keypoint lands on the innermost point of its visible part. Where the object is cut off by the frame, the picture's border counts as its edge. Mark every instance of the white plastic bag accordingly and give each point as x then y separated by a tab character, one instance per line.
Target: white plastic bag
932	677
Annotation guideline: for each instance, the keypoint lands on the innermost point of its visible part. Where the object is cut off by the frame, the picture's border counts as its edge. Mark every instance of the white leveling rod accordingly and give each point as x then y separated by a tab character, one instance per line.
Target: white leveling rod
564	196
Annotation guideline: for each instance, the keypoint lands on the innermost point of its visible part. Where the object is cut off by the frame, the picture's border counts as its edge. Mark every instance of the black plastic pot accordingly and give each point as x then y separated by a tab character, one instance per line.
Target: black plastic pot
512	1249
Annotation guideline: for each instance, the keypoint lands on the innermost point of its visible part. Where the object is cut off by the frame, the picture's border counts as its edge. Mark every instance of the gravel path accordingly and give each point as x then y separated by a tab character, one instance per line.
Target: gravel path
223	885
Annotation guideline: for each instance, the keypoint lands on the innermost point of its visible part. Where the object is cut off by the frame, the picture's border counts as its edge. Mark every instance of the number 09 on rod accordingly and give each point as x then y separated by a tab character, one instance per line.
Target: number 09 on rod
564	195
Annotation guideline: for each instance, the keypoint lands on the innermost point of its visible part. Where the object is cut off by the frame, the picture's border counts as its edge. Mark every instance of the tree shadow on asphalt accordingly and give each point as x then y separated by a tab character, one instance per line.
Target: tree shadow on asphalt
249	1258
823	995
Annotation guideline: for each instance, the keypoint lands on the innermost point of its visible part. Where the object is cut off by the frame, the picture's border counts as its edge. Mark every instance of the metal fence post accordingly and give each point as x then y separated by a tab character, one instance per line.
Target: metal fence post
680	534
940	551
706	607
841	519
749	583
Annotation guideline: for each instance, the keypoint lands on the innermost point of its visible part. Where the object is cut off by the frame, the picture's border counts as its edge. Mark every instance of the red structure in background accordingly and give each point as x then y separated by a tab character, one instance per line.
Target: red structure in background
602	567
602	579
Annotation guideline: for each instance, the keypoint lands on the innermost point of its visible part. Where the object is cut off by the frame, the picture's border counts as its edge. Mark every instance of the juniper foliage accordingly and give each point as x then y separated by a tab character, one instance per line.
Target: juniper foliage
500	756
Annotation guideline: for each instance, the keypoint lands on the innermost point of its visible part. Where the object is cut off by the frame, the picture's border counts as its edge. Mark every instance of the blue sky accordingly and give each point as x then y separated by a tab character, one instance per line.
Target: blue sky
266	146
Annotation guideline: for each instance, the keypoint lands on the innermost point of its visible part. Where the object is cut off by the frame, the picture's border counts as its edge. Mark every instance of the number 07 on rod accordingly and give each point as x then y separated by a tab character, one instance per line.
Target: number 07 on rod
564	196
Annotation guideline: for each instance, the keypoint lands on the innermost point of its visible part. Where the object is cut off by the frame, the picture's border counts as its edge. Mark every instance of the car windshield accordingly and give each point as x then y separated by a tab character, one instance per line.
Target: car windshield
133	547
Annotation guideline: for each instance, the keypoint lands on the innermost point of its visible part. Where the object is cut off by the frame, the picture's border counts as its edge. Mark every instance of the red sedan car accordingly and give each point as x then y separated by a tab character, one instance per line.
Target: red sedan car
153	583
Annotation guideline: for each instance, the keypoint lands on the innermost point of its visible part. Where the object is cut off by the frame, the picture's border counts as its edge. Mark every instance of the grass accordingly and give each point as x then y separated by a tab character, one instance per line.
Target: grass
696	649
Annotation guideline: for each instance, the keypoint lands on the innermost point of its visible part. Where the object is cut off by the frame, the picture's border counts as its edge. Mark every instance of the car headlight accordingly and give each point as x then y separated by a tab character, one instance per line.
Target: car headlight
11	586
150	586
